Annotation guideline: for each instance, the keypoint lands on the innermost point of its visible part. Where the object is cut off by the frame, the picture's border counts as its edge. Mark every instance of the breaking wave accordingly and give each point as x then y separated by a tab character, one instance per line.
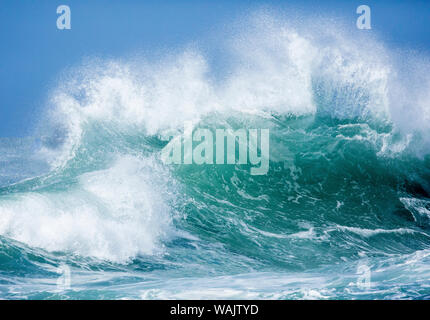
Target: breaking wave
348	180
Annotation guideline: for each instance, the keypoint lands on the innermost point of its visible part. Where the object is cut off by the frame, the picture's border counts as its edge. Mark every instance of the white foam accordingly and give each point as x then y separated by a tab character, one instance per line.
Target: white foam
275	68
373	232
114	214
419	208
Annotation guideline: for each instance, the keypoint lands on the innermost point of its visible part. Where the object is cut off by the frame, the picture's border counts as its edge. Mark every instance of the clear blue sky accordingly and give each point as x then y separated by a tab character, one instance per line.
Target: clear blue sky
33	51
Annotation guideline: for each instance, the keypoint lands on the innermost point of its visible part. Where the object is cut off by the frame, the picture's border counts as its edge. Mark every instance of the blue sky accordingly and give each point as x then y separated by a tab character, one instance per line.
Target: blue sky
34	52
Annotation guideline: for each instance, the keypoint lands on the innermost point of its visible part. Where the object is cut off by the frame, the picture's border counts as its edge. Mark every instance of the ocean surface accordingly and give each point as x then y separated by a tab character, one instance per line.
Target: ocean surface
89	211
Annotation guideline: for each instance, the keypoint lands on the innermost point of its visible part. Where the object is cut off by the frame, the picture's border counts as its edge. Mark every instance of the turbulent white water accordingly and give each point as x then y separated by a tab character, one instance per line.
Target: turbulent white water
349	123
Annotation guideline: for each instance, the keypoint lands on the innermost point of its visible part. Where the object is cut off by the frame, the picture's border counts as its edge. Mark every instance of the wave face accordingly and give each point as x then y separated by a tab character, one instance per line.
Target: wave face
348	184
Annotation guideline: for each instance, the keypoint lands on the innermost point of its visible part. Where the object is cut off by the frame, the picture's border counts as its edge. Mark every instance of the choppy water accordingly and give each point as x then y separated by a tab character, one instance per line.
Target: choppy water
348	184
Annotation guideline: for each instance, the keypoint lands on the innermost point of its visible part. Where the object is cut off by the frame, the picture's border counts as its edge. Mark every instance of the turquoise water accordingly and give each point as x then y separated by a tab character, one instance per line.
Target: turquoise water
348	184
